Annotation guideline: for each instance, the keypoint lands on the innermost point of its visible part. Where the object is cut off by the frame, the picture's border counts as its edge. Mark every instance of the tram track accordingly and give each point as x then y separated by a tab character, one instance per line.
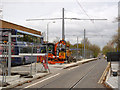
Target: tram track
84	75
77	77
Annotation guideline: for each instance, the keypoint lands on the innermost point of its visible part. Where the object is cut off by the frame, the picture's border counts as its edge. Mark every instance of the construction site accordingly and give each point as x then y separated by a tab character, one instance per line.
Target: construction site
30	59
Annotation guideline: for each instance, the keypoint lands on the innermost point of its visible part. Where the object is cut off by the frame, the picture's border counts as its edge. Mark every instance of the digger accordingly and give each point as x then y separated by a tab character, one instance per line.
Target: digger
59	52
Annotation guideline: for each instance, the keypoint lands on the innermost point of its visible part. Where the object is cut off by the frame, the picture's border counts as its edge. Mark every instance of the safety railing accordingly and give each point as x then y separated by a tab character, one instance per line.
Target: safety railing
27	59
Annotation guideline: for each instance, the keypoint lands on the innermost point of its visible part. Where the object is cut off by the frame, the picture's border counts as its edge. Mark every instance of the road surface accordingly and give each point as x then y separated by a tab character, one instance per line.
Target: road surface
83	76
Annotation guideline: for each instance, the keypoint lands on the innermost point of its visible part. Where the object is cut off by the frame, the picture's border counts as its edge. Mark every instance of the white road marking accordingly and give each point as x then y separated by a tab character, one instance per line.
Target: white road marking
73	68
42	80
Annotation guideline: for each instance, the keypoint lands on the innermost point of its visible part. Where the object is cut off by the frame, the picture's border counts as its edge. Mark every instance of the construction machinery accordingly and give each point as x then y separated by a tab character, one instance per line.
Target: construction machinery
58	53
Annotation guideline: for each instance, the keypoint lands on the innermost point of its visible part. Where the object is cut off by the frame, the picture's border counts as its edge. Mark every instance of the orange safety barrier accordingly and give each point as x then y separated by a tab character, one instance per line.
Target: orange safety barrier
41	58
45	64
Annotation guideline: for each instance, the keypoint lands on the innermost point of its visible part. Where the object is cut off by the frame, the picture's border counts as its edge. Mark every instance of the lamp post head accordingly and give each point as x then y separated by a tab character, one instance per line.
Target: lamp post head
53	21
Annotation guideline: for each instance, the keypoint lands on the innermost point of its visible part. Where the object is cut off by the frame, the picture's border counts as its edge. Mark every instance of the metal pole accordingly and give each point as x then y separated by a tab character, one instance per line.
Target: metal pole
119	26
47	30
6	60
9	54
31	61
63	23
47	57
82	49
35	64
3	75
84	45
77	47
118	46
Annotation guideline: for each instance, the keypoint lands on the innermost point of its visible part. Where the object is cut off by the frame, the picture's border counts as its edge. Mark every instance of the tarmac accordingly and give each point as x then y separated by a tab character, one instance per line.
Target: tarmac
22	74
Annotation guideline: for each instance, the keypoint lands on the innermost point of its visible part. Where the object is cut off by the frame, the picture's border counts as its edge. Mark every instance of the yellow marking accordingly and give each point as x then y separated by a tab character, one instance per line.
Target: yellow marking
104	74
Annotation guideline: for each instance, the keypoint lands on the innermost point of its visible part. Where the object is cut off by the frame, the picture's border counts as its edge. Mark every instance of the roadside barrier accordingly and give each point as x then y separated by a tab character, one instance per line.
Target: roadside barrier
104	76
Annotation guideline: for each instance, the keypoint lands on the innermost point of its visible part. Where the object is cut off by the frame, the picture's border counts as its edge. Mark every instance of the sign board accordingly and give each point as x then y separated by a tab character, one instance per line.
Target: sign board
16	35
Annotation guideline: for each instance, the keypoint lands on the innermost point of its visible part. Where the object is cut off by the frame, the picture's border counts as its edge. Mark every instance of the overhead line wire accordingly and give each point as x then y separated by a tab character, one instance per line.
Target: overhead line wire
83	10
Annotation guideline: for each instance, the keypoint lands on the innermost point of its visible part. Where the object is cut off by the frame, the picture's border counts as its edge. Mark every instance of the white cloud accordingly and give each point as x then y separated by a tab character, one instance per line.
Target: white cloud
59	0
19	12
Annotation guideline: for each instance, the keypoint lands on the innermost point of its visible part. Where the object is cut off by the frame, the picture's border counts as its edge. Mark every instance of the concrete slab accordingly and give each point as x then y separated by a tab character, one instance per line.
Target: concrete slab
21	81
10	78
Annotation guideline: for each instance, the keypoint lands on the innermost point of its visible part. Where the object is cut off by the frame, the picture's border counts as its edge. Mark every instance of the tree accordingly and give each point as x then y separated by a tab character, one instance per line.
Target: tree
95	49
107	48
87	42
91	47
79	45
113	45
119	39
116	41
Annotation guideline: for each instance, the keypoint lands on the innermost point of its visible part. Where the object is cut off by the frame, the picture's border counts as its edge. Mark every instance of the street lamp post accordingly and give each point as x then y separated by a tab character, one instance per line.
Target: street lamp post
84	45
77	48
48	29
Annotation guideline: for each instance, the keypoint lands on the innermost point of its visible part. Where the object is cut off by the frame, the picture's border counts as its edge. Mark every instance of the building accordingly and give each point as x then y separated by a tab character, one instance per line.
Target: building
9	25
17	44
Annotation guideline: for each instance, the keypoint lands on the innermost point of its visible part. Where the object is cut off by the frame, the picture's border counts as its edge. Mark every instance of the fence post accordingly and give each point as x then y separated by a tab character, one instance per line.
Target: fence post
47	57
31	61
35	61
9	54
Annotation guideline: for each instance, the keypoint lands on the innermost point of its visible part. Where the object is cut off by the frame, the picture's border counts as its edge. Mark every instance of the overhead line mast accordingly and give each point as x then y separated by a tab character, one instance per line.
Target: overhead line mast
62	18
63	27
63	23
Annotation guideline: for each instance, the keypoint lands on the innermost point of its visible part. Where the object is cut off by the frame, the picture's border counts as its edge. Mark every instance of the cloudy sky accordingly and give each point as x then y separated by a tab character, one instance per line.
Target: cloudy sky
98	32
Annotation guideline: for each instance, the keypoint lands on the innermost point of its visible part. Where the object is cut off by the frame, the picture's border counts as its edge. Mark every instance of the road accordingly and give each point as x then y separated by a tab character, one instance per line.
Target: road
83	76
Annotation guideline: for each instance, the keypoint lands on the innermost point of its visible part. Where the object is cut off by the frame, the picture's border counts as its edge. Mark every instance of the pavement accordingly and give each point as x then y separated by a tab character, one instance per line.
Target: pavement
15	80
113	81
65	66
